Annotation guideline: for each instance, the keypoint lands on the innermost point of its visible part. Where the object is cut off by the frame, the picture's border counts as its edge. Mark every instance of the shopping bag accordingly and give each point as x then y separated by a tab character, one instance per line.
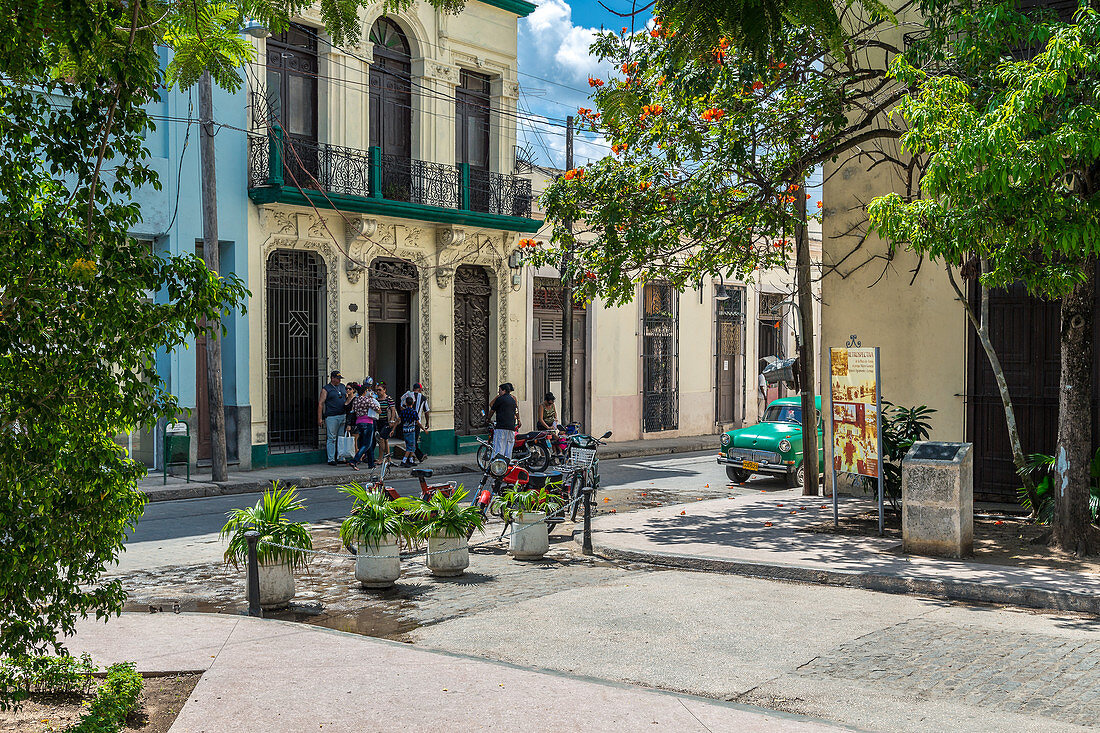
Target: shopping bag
345	447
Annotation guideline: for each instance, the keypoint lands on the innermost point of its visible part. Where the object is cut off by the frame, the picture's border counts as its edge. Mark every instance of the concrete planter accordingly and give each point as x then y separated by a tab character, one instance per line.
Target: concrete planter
378	567
276	585
453	557
530	538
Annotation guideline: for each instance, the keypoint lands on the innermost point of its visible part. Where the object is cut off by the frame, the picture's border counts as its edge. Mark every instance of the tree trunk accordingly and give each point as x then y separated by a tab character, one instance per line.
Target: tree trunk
1072	531
803	275
210	254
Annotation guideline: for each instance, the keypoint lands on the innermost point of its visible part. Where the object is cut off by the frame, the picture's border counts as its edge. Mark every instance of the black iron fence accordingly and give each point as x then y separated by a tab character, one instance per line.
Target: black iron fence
277	160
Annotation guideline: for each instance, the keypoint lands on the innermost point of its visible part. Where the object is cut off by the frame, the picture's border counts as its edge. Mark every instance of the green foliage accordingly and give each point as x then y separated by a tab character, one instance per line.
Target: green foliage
117	697
509	505
757	24
445	516
374	518
44	675
709	159
901	427
84	309
1041	466
268	517
1012	147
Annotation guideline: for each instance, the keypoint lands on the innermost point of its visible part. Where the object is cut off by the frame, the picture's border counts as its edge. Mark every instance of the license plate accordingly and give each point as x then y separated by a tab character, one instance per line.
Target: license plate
750	465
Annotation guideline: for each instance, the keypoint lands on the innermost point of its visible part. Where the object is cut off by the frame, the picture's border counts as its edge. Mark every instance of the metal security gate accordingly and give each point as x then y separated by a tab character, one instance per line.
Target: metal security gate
729	356
296	360
472	290
660	386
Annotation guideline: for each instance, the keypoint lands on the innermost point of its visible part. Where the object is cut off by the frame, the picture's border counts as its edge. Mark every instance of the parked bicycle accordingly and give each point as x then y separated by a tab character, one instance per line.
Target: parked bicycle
389	493
581	467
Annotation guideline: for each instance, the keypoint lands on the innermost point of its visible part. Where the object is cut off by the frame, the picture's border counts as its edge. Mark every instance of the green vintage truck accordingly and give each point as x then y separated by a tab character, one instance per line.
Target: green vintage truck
772	447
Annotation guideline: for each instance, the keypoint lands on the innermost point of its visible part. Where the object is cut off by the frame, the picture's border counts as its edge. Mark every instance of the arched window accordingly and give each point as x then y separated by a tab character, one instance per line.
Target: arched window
391	90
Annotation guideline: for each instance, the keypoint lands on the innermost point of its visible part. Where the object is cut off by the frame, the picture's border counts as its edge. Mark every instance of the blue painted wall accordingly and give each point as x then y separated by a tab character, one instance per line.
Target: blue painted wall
172	219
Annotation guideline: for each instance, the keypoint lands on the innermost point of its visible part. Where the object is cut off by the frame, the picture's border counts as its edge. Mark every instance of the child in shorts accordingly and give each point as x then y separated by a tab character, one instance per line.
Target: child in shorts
409	422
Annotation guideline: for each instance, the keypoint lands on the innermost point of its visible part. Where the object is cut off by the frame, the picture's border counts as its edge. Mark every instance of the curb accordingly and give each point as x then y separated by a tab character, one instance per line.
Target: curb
198	490
954	590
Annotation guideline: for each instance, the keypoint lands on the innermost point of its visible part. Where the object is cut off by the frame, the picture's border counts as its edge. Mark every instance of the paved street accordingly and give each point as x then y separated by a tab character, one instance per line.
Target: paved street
869	660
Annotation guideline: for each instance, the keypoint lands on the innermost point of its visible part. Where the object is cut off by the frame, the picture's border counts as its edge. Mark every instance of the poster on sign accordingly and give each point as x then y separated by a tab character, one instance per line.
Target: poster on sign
855	410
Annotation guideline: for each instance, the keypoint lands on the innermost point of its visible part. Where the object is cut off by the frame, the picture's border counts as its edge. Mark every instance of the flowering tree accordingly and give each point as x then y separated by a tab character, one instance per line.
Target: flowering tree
1014	182
709	162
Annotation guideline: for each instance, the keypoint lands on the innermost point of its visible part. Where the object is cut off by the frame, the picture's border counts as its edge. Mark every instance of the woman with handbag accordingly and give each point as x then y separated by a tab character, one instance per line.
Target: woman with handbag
365	407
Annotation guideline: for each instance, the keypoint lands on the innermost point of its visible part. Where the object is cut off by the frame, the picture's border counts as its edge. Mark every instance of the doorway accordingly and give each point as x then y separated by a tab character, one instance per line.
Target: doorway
296	358
472	291
729	356
660	344
546	354
393	285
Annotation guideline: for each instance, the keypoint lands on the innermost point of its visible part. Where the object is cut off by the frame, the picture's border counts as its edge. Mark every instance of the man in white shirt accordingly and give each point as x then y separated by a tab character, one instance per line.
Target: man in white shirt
423	411
762	397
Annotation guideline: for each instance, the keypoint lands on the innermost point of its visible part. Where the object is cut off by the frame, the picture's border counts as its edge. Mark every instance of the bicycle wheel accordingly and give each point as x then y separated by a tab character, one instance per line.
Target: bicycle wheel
576	490
483	457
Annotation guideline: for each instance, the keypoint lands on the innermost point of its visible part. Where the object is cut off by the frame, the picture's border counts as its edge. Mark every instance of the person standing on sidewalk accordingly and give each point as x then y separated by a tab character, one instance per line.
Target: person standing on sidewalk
387	417
365	408
409	424
423	411
507	423
331	407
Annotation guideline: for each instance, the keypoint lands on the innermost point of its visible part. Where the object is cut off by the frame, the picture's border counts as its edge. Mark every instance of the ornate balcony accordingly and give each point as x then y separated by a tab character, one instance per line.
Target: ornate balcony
335	177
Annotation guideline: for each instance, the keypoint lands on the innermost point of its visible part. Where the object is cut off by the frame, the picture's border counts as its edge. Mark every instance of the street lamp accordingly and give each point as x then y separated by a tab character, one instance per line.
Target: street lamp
255	28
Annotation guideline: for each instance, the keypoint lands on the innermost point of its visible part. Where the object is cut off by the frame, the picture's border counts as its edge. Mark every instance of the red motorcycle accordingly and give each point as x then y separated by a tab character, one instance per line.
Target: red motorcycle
496	475
533	450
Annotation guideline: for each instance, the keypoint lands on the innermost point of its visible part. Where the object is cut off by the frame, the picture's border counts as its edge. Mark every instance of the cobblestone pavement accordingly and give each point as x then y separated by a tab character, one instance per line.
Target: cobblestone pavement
1037	673
329	595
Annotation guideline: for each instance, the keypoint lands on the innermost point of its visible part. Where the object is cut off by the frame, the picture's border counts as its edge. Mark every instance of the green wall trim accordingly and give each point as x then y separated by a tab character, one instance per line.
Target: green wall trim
296	459
438	442
519	7
383	207
259	456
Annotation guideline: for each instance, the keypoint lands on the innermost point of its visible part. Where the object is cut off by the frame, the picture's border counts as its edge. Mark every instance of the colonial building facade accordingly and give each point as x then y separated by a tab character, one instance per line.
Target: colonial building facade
383	215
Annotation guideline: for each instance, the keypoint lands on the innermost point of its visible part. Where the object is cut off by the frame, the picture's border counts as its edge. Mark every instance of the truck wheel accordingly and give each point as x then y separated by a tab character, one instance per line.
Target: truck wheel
737	475
797	478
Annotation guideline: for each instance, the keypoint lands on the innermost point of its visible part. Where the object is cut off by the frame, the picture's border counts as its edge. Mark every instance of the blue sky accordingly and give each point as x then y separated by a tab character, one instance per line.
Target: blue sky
554	66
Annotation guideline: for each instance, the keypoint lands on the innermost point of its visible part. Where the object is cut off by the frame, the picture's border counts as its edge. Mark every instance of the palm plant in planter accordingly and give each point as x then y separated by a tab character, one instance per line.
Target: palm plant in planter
276	564
447	522
375	528
527	511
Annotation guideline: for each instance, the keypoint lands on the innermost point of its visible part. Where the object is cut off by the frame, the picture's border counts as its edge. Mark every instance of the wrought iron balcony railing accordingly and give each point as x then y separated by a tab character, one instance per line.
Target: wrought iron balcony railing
281	161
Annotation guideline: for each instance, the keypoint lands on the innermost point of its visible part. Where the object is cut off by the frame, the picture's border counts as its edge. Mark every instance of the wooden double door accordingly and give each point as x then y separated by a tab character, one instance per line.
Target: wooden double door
1025	332
471	348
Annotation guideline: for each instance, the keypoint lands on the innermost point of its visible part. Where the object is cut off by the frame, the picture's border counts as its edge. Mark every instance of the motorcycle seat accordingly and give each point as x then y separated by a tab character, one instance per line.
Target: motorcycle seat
422	472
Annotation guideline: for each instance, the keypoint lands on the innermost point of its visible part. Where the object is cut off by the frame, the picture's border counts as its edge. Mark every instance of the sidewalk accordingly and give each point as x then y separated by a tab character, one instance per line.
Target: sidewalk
262	675
732	535
322	474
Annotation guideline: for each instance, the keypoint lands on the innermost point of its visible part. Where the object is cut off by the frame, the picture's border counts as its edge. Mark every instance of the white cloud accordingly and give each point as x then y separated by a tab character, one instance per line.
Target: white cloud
554	64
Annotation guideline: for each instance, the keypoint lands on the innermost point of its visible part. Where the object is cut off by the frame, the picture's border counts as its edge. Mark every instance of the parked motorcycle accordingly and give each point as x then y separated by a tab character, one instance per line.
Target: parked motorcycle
497	474
531	450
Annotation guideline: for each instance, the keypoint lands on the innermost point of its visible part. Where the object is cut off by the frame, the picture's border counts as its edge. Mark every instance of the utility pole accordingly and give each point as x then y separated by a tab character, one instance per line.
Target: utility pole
803	277
210	254
567	298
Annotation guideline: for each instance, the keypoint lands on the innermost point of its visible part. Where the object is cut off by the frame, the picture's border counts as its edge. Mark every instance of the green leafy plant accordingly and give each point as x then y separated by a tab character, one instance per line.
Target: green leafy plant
268	517
373	518
45	675
445	516
1041	466
901	427
117	697
509	505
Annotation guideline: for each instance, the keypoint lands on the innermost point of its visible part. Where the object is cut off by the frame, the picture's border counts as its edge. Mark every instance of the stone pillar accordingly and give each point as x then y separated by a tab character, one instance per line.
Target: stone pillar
937	499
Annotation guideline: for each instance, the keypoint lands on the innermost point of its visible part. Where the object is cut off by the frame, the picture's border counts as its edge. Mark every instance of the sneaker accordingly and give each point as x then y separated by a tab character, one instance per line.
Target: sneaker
333	463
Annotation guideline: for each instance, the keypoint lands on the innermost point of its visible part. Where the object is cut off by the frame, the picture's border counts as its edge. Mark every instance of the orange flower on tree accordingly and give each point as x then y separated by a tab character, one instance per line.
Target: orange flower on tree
819	204
713	114
594	82
644	185
757	85
574	174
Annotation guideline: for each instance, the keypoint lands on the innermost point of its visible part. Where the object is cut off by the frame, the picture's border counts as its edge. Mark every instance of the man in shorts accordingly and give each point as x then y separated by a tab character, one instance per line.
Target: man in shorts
507	423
